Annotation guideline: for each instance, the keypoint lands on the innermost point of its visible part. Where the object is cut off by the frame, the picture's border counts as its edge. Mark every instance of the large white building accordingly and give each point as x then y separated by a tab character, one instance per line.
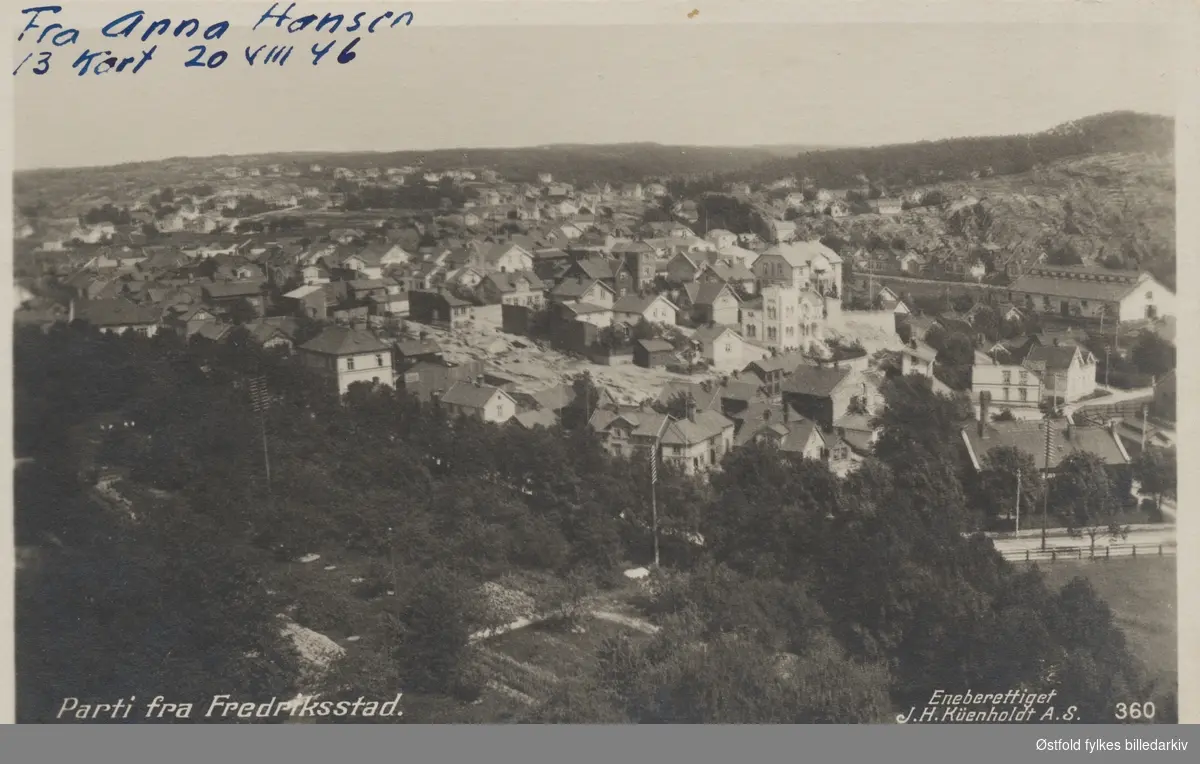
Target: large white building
1085	292
801	264
784	318
346	356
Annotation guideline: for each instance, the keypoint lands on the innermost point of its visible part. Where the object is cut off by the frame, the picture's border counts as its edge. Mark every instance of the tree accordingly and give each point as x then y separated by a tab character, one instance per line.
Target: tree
1155	470
679	405
1151	354
997	488
242	312
431	636
1083	495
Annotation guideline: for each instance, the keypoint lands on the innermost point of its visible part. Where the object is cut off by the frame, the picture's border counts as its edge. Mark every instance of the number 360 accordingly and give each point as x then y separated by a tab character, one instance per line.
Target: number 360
1135	711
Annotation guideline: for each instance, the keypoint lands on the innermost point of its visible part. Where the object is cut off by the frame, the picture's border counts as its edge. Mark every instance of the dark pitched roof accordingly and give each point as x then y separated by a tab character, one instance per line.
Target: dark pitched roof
656	346
469	394
815	380
1051	357
116	312
411	348
1030	437
234	289
339	340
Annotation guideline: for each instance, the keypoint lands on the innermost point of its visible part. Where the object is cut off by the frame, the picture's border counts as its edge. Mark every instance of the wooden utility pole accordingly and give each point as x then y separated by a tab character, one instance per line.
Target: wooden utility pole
1017	528
1046	493
654	486
260	399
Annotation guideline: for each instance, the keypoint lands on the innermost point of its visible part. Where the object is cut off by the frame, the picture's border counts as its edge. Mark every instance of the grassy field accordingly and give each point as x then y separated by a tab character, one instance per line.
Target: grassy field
1142	595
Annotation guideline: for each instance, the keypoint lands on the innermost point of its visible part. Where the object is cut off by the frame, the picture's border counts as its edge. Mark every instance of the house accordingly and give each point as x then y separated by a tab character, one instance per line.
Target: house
782	231
117	316
856	432
887	206
439	308
917	358
911	262
411	352
783	318
695	443
269	335
1029	437
1095	293
508	257
771	372
483	402
1164	397
591	291
1068	372
310	300
632	191
187	320
466	277
427	379
803	264
532	419
737	254
786	429
712	302
599	316
733	273
652	353
517	288
826	393
725	350
1011	386
667	230
224	296
721	238
640	263
838	209
345	356
656	309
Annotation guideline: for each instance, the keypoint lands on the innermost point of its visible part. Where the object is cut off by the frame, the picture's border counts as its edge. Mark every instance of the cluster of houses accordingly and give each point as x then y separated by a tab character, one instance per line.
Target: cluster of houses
757	313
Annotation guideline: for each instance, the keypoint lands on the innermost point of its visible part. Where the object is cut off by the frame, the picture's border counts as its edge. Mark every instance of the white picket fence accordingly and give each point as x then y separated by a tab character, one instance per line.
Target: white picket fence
1101	552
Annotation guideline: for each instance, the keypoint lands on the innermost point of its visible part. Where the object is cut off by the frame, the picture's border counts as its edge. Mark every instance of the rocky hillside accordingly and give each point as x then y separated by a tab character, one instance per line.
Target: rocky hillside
1105	208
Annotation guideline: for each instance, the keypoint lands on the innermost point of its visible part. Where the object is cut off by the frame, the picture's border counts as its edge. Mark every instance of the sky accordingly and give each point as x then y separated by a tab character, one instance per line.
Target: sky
420	88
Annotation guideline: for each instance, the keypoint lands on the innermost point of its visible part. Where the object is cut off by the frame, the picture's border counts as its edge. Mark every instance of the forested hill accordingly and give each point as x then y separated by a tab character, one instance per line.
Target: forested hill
912	164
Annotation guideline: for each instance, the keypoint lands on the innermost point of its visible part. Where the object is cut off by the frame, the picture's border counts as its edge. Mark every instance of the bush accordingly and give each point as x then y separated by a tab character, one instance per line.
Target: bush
1152	511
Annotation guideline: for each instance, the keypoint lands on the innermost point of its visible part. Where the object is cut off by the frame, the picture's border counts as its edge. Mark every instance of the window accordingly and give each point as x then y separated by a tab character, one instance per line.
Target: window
1149	295
751	330
728	347
350	364
1006	395
791	331
1023	393
1024	378
379	359
770	332
1083	303
1007	377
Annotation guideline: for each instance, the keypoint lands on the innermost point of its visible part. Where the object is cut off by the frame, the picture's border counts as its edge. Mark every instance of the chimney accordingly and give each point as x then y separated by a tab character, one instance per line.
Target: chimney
985	400
787	413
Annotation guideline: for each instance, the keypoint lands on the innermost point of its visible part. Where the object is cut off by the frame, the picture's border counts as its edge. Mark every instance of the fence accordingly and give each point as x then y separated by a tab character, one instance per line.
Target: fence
1107	552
